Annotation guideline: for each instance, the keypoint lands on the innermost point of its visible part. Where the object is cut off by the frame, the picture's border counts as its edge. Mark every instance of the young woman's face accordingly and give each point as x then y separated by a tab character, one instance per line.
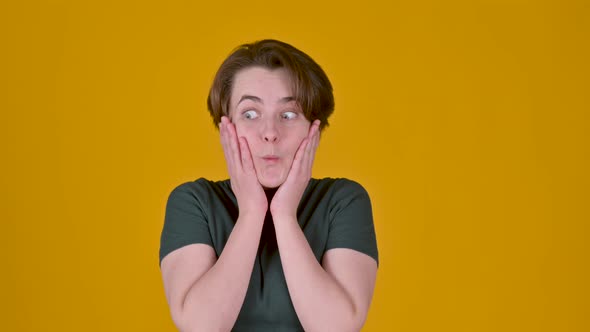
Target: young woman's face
264	111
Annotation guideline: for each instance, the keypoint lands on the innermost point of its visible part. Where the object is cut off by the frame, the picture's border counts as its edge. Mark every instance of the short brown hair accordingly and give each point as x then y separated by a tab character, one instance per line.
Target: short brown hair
312	88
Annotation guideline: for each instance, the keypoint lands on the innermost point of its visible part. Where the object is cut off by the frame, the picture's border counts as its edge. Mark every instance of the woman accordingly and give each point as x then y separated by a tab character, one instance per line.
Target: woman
270	249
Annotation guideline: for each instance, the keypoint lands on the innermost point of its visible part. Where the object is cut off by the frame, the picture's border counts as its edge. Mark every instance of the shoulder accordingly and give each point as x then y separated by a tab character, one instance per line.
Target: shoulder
342	196
200	186
350	217
338	188
200	190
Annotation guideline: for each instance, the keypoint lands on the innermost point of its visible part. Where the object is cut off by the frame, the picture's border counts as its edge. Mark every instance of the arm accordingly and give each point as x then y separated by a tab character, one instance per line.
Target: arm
334	296
205	294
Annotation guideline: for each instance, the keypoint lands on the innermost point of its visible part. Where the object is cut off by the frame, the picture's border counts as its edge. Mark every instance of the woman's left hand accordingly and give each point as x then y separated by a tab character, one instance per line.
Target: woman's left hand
287	198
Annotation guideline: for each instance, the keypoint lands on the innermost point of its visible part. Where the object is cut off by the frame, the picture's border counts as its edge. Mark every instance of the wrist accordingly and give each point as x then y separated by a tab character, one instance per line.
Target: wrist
284	217
252	214
278	211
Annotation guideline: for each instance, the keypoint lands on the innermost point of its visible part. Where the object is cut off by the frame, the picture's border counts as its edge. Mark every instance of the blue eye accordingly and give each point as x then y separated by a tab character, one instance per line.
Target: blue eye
289	115
251	114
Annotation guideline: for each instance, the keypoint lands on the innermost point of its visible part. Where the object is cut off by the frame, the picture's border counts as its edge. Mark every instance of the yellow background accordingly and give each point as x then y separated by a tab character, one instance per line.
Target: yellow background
467	122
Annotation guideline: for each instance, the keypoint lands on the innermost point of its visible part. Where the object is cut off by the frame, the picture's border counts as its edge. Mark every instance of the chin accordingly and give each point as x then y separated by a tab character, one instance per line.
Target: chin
270	182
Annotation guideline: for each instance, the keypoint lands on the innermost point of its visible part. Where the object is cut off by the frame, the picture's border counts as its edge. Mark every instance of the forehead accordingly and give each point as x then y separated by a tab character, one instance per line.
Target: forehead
262	82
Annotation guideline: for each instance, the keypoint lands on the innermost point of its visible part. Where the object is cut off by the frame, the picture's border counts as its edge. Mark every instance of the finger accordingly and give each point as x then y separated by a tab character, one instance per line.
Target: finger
299	156
233	143
315	126
312	146
226	149
308	155
316	140
318	131
312	151
231	151
310	137
224	139
313	132
247	162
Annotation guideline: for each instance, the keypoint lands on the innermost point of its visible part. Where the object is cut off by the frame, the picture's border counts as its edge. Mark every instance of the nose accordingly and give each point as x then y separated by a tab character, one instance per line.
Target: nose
269	132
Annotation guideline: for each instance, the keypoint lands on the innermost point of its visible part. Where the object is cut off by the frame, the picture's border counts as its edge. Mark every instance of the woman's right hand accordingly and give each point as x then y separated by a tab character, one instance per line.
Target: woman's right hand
244	182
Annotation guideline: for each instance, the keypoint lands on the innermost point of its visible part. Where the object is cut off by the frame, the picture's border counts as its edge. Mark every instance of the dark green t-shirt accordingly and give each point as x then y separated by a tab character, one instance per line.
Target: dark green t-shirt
333	213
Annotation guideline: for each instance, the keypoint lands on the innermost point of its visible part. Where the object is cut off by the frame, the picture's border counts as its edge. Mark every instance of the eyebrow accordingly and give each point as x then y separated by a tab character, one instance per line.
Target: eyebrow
258	100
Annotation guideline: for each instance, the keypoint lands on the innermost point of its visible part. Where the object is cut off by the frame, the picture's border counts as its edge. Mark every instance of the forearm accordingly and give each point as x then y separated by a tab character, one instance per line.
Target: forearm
319	300
214	301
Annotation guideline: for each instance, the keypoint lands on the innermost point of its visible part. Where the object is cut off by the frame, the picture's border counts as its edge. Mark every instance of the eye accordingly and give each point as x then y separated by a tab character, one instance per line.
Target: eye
289	115
250	114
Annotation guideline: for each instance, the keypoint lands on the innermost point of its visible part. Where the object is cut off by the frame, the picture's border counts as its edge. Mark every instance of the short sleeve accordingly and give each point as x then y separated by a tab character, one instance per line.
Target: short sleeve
184	222
351	220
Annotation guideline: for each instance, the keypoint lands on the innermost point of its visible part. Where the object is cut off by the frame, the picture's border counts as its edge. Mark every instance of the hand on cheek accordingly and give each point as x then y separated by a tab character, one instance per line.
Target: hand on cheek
249	193
287	198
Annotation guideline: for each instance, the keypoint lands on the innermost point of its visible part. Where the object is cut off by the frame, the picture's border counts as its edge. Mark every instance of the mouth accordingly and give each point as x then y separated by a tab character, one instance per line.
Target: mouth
270	159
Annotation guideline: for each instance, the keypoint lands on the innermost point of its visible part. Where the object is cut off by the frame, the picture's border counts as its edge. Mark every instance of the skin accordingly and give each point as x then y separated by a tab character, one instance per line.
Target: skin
206	293
269	123
265	113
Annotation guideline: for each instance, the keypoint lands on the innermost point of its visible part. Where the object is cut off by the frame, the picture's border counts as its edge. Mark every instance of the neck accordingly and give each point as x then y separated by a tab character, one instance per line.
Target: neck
270	192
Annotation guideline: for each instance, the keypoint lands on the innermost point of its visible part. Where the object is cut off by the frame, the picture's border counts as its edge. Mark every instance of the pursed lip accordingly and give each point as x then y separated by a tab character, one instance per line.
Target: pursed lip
270	158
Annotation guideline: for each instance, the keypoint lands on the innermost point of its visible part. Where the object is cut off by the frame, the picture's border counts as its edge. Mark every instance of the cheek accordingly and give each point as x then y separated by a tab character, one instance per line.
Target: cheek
242	131
248	134
296	142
